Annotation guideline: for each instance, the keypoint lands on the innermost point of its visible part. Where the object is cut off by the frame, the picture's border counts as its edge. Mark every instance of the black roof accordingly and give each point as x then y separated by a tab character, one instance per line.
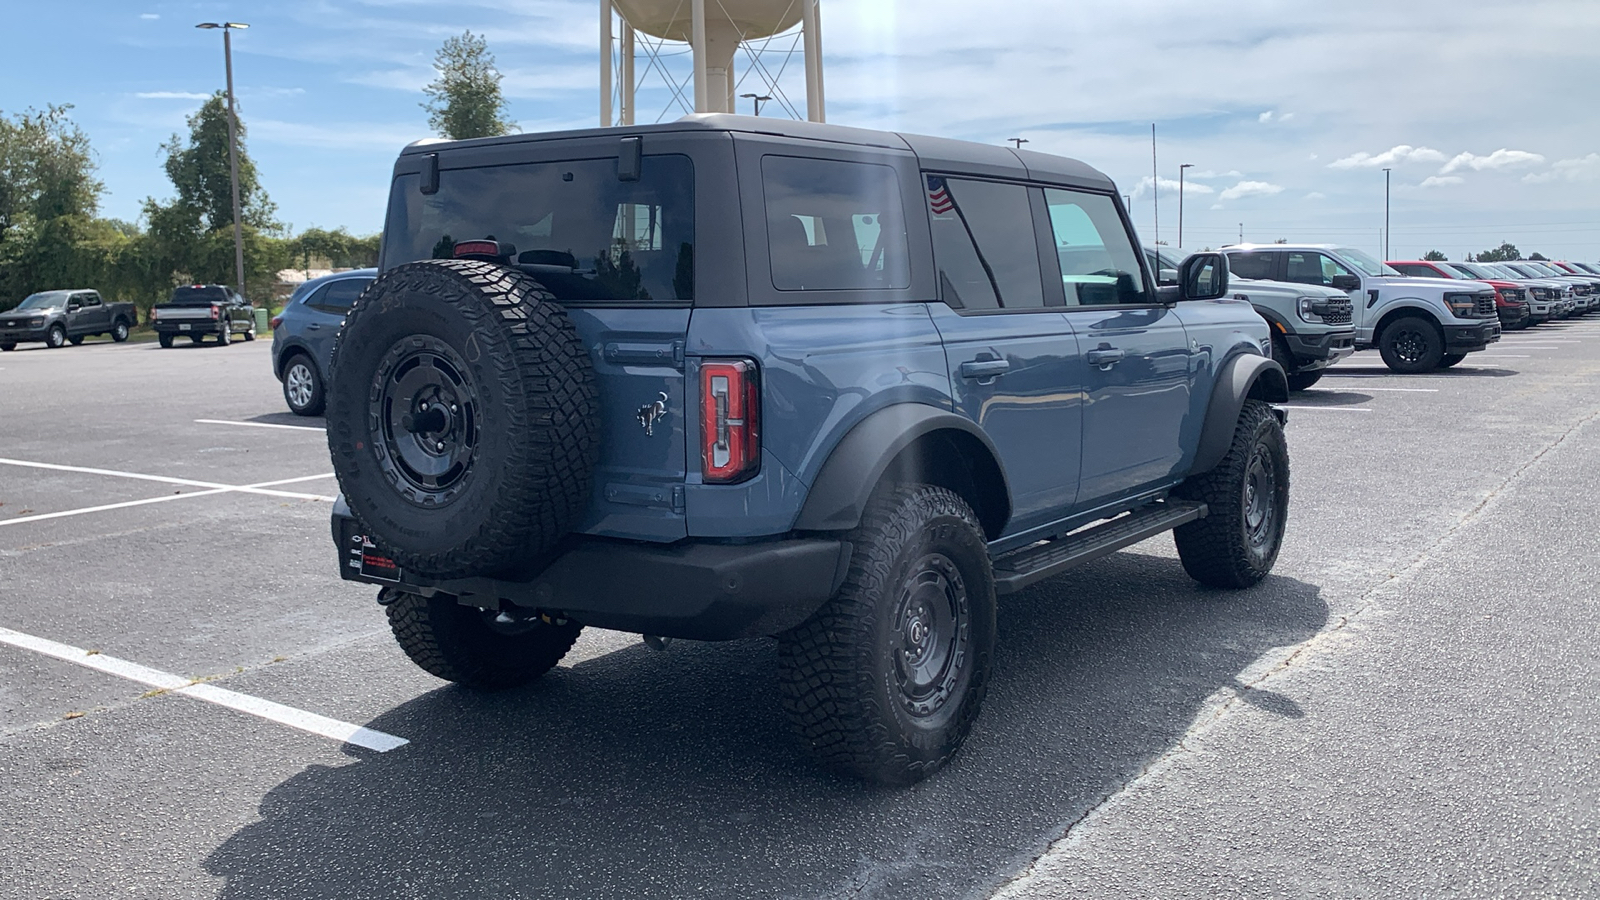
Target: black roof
934	153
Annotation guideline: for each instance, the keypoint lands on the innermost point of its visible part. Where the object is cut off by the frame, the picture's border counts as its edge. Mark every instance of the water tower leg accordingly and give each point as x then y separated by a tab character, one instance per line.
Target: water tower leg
811	27
627	74
697	11
605	63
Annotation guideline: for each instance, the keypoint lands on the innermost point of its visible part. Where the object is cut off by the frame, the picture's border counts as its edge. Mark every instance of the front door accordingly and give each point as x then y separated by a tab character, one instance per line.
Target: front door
1135	352
1014	362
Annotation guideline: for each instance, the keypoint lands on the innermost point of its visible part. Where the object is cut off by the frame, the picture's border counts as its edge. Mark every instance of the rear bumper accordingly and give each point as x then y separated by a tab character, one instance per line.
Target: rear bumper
1318	351
195	326
1470	338
695	590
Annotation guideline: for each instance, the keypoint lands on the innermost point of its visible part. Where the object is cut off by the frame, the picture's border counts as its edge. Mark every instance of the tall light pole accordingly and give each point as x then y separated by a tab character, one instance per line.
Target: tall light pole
1385	215
1018	141
233	147
1180	201
756	100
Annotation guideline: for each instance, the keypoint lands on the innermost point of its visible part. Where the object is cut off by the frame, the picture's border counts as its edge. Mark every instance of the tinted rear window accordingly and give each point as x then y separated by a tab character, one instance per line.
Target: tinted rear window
1250	265
585	235
834	225
203	295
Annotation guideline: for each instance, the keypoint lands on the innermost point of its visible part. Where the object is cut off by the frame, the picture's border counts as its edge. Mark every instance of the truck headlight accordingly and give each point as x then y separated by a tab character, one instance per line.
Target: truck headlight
36	322
1311	309
1461	305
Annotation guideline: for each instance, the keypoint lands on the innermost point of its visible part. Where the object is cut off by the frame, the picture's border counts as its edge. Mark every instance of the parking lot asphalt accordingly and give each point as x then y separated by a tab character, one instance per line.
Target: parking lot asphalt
1407	707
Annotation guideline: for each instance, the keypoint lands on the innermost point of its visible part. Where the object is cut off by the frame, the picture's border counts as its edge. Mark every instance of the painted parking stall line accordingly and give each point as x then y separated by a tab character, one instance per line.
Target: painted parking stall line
316	428
345	732
243	489
1357	409
186	482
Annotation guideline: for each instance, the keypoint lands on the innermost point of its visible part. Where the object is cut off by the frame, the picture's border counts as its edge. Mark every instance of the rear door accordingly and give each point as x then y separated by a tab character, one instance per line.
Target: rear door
326	309
618	252
1015	367
1135	352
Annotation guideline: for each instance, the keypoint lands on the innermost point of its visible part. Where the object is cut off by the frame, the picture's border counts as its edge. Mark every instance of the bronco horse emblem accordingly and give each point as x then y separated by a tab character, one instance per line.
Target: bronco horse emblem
650	413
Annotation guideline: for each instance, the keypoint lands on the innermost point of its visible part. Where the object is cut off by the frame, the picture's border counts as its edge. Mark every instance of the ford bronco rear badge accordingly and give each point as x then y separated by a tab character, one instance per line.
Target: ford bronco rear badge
650	413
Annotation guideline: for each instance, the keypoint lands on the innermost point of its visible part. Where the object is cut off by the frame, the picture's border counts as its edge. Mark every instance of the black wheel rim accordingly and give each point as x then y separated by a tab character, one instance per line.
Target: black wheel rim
1260	498
1410	345
932	631
425	421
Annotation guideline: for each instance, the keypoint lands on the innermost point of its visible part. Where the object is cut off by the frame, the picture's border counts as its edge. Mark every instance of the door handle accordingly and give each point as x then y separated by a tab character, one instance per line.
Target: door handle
984	368
1106	357
313	326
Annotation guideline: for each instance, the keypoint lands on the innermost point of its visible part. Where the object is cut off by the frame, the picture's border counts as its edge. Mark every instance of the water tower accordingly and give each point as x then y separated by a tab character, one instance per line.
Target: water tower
715	30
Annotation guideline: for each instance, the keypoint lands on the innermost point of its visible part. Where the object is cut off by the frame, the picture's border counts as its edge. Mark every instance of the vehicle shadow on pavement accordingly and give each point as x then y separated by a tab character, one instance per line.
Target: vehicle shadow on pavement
642	774
1463	370
288	418
1324	397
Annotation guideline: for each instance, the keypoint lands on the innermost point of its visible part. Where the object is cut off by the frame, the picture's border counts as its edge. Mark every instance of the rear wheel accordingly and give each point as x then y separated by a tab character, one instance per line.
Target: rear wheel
1450	359
78	339
884	682
251	334
119	331
55	337
225	336
1247	496
8	346
196	338
302	386
1411	345
164	339
476	648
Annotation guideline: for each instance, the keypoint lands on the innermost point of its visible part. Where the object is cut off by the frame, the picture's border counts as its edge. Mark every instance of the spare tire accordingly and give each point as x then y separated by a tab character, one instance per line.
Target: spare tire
461	417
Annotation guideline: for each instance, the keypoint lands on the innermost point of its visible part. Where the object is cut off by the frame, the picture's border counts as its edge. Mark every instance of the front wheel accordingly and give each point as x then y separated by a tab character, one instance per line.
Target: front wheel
251	334
1411	345
476	648
1247	496
1450	359
884	682
119	331
56	337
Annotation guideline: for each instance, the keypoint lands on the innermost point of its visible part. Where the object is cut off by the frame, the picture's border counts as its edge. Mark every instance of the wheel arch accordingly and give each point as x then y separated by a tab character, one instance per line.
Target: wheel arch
289	352
910	442
1244	377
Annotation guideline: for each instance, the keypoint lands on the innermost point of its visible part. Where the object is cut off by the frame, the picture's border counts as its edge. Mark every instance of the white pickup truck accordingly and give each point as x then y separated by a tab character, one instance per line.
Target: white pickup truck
1417	324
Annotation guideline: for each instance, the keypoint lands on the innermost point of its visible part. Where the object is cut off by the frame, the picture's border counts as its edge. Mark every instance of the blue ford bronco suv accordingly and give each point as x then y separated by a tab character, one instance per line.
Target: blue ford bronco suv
729	377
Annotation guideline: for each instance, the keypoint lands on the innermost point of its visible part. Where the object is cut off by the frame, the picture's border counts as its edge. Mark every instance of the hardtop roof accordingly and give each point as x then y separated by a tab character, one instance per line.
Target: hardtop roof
936	153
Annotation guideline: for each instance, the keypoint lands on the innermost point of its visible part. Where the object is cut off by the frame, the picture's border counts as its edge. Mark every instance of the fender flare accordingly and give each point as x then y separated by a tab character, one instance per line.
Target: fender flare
1242	377
838	495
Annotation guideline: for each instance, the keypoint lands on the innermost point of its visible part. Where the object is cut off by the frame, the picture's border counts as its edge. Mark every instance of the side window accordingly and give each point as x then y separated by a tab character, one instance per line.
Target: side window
314	299
338	297
1098	263
1313	268
1250	265
984	244
90	300
834	225
1331	267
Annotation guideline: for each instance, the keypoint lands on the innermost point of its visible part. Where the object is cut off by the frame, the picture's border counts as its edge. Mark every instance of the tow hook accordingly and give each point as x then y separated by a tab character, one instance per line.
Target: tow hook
659	644
387	596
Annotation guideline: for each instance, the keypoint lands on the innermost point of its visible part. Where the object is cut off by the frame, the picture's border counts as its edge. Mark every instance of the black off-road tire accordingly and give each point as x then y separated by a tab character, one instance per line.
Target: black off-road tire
1299	381
165	340
1247	496
196	338
464	645
119	330
8	346
77	340
494	470
1450	359
56	337
868	698
1411	345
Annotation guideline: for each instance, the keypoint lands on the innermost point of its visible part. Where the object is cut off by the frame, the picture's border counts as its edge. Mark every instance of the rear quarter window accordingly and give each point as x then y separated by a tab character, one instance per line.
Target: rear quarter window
834	225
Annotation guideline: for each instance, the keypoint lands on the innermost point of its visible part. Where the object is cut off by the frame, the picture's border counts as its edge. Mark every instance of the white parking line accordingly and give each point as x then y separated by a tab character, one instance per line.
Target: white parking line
260	424
1405	390
249	488
187	482
1326	408
1503	356
358	735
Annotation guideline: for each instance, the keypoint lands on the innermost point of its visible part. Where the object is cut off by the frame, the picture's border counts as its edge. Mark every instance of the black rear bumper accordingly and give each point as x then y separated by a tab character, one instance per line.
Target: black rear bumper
692	589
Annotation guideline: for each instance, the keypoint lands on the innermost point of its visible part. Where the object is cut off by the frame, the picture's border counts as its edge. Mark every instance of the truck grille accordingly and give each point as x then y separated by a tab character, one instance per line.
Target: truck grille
1338	312
1512	296
1485	304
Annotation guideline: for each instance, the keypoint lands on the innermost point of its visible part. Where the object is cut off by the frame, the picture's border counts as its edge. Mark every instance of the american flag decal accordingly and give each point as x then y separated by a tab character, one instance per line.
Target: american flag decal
939	197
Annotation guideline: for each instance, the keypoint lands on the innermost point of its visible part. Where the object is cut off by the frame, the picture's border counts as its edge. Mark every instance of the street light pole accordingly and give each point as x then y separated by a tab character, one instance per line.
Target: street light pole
756	100
1018	141
1180	201
1385	215
233	147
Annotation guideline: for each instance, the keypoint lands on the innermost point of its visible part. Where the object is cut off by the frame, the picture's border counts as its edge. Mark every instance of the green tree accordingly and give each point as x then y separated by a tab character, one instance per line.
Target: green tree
1536	256
48	198
1435	256
1507	251
464	100
198	169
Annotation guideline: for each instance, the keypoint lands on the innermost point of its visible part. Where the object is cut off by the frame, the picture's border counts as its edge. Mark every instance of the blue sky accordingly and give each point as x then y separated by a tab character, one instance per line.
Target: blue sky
1288	110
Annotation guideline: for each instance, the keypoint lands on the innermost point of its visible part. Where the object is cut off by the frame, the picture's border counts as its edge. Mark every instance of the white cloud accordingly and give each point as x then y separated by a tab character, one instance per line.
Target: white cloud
1441	180
1250	189
1316	195
150	16
1394	156
1170	186
1584	168
1500	159
171	95
1265	117
1208	173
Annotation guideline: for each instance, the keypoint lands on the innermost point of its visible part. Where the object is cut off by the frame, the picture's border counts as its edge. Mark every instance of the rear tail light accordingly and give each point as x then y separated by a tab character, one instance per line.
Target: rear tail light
214	312
275	321
730	411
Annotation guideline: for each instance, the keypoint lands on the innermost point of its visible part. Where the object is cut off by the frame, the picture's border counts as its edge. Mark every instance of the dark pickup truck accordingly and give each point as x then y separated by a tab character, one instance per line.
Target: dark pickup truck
200	309
56	317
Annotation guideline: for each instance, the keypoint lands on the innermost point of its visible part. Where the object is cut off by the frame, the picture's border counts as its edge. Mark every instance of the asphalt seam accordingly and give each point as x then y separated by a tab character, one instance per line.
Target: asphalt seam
1213	714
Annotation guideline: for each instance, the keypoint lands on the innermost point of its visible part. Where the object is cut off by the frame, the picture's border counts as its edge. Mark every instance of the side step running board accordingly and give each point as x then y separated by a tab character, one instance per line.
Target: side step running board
1021	568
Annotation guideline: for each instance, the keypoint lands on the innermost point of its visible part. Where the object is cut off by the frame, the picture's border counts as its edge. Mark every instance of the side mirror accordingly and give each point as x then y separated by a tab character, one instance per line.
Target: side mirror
73	307
1343	282
1203	276
1167	276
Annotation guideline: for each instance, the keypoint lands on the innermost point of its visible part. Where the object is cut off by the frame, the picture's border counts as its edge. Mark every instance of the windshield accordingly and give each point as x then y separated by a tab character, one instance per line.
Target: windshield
1364	262
574	225
1592	270
1461	270
45	300
1543	269
1522	271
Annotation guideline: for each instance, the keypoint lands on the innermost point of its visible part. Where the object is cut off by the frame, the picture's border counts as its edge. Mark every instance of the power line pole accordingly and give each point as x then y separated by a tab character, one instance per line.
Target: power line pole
1385	215
233	148
1155	183
1180	201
